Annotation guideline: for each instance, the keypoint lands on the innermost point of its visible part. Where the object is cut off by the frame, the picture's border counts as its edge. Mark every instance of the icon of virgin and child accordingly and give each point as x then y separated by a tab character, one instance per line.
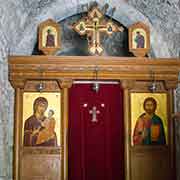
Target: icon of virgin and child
39	130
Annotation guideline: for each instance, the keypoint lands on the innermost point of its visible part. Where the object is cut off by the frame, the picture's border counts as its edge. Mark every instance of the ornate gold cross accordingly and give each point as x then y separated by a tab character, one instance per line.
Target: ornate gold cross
93	25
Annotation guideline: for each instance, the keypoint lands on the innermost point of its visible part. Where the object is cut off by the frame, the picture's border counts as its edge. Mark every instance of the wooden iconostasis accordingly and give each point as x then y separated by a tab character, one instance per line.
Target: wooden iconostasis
41	126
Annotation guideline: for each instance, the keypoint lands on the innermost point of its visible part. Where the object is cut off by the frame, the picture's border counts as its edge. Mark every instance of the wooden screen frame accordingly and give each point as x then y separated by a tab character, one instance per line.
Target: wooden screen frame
143	150
30	87
131	72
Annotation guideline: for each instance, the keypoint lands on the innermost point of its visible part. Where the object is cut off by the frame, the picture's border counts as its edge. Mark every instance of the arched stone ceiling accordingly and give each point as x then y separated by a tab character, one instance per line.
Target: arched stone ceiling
21	18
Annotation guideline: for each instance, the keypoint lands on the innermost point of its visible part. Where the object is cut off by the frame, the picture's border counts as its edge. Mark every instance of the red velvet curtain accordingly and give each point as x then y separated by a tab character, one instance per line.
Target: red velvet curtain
96	149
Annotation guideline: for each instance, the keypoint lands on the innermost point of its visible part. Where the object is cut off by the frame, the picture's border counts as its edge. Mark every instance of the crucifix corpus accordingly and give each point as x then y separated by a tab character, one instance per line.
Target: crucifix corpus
94	113
92	26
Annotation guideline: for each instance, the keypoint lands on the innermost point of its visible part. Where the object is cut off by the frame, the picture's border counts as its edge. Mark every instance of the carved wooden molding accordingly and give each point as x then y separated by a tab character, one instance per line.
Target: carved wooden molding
65	83
127	84
18	83
36	177
55	68
48	86
171	84
31	150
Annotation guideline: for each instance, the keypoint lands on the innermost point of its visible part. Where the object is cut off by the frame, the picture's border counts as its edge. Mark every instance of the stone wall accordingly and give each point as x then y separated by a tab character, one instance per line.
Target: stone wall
164	15
6	115
18	34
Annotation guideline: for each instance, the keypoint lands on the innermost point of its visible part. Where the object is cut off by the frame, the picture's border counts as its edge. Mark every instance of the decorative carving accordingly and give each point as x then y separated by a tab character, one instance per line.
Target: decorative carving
31	150
42	166
49	86
60	68
18	83
170	84
127	84
92	26
36	178
65	83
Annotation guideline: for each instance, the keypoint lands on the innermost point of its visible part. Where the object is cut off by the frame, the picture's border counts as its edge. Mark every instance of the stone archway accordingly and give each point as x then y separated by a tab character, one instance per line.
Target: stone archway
125	14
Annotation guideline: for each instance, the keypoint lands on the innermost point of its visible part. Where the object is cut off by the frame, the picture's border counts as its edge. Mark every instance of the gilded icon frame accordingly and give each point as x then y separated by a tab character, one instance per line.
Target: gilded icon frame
139	33
137	110
54	104
52	29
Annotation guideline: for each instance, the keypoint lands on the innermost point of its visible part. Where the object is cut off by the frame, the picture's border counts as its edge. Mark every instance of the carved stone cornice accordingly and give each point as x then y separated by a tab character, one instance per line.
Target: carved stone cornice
65	83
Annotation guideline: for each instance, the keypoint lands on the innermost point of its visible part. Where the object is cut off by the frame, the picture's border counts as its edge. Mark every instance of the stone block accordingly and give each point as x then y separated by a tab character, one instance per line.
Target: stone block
3	162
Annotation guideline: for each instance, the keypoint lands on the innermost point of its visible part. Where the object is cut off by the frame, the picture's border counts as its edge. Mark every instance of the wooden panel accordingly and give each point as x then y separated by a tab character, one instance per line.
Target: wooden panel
152	164
50	67
143	86
147	161
40	167
49	86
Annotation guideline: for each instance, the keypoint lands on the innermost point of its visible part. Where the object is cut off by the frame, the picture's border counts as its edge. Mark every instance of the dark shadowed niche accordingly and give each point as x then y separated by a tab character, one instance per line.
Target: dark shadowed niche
72	44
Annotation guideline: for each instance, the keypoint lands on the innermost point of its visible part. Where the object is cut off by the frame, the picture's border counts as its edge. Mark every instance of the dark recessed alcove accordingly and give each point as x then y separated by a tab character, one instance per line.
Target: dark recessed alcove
72	44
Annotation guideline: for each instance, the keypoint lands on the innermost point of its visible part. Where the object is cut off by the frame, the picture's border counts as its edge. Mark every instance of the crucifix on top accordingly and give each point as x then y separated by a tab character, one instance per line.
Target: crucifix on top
92	26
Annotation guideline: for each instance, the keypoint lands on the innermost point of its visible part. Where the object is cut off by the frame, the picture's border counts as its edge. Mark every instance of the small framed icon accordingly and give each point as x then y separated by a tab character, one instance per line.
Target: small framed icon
139	39
49	37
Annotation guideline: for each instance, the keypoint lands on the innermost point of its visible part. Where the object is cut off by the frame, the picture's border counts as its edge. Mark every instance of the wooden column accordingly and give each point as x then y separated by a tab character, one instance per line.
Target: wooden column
127	85
170	86
18	85
65	84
